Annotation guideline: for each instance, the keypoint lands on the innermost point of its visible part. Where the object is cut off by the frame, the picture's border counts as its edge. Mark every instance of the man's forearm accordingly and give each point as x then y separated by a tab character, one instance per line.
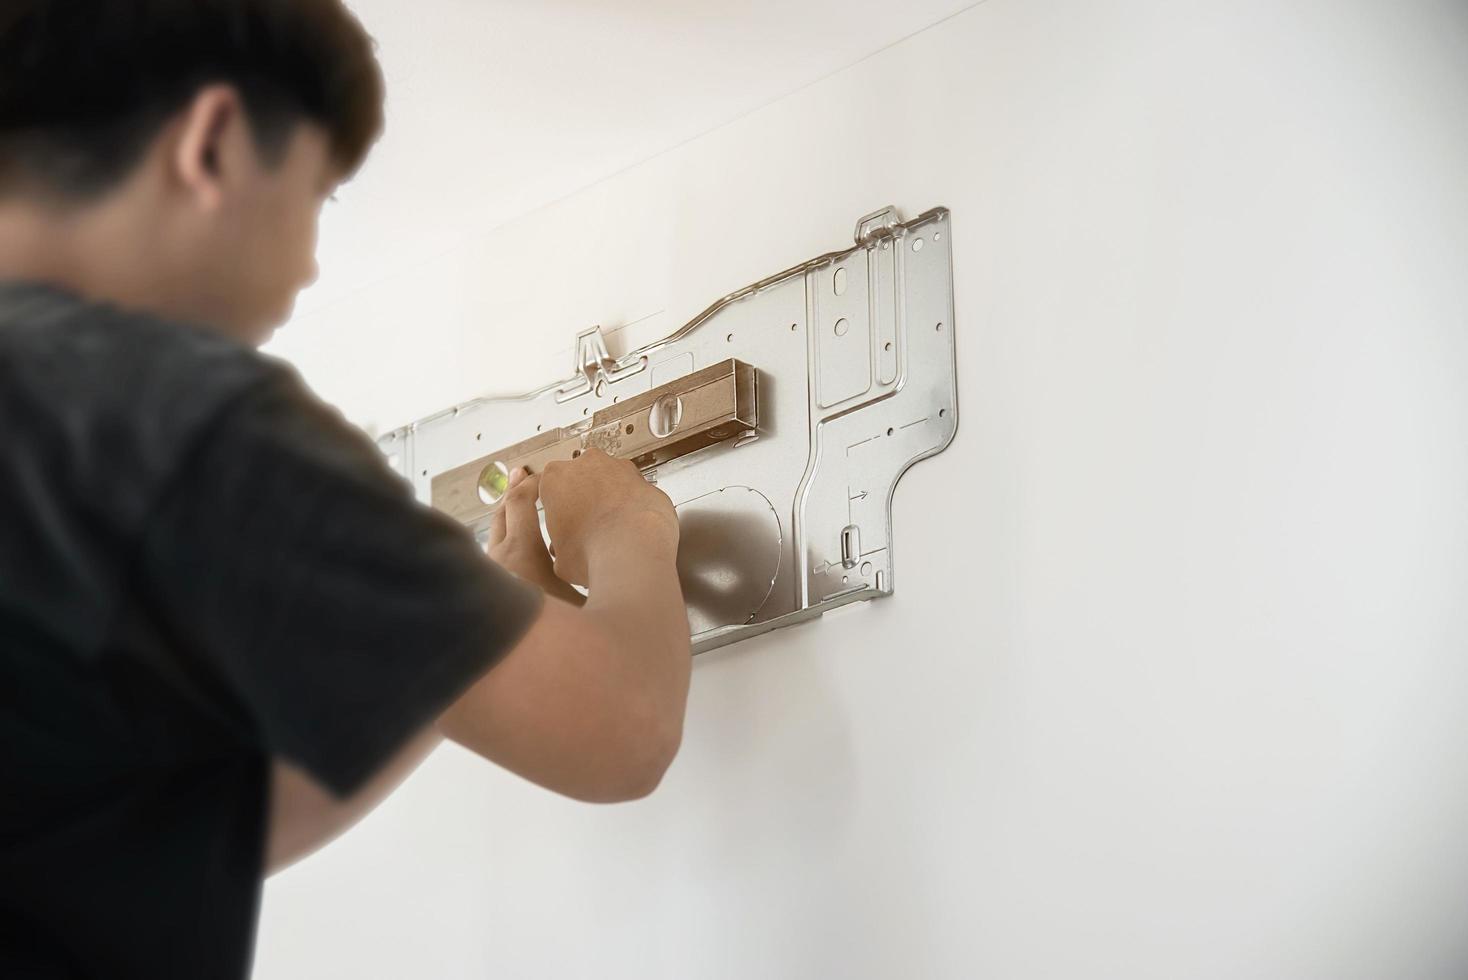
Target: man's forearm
636	600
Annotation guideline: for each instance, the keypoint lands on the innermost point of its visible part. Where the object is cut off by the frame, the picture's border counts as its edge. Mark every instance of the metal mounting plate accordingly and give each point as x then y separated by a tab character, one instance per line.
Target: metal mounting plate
854	358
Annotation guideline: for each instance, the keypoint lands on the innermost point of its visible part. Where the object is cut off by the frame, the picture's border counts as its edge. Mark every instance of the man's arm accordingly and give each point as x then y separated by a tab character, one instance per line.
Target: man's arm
570	708
590	704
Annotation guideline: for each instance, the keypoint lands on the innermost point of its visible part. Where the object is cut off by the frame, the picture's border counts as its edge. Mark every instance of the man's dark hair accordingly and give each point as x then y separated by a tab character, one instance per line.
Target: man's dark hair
86	85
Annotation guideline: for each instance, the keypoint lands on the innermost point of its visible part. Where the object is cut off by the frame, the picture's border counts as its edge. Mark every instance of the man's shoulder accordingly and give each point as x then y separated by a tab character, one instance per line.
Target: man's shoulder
55	343
99	400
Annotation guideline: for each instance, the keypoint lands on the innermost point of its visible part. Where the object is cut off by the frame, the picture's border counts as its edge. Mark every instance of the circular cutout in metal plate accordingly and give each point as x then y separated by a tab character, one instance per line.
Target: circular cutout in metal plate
728	556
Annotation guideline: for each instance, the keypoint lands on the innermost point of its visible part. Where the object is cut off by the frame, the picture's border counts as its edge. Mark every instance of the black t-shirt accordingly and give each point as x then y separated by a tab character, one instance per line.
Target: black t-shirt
201	568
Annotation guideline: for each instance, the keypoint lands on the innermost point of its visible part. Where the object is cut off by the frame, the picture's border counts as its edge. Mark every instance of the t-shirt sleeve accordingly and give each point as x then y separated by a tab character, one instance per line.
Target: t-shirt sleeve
342	616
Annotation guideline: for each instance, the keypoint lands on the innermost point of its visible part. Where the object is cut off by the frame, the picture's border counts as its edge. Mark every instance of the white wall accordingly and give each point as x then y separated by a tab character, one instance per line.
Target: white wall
498	107
1175	682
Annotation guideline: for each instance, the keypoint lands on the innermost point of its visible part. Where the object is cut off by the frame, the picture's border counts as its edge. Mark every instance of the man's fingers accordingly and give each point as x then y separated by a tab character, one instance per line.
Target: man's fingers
521	517
499	525
497	528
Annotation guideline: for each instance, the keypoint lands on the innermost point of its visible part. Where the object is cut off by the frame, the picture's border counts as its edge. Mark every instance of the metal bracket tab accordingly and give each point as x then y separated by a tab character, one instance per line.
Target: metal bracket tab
595	364
780	421
876	224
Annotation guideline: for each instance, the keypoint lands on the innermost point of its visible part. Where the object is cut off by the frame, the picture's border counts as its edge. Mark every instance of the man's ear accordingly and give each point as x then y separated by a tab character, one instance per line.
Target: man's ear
212	126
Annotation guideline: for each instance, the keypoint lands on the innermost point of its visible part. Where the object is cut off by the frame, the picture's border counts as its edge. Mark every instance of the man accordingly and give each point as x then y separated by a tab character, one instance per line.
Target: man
226	629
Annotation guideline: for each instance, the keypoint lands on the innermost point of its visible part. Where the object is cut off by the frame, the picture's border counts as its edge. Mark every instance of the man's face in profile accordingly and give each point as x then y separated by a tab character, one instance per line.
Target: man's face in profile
257	246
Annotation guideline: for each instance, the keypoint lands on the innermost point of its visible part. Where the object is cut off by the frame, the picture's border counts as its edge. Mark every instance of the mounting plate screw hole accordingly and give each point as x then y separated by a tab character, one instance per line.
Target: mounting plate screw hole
841	327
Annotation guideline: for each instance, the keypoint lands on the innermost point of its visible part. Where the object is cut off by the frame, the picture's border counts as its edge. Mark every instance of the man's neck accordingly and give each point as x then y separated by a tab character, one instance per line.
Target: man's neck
61	246
98	251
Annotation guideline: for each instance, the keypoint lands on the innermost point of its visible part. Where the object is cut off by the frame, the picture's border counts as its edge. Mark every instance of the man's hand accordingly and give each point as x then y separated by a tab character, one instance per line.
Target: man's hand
596	503
516	544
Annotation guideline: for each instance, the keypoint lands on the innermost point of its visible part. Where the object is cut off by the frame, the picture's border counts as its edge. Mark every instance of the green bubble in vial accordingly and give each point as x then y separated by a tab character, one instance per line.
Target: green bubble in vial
493	483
